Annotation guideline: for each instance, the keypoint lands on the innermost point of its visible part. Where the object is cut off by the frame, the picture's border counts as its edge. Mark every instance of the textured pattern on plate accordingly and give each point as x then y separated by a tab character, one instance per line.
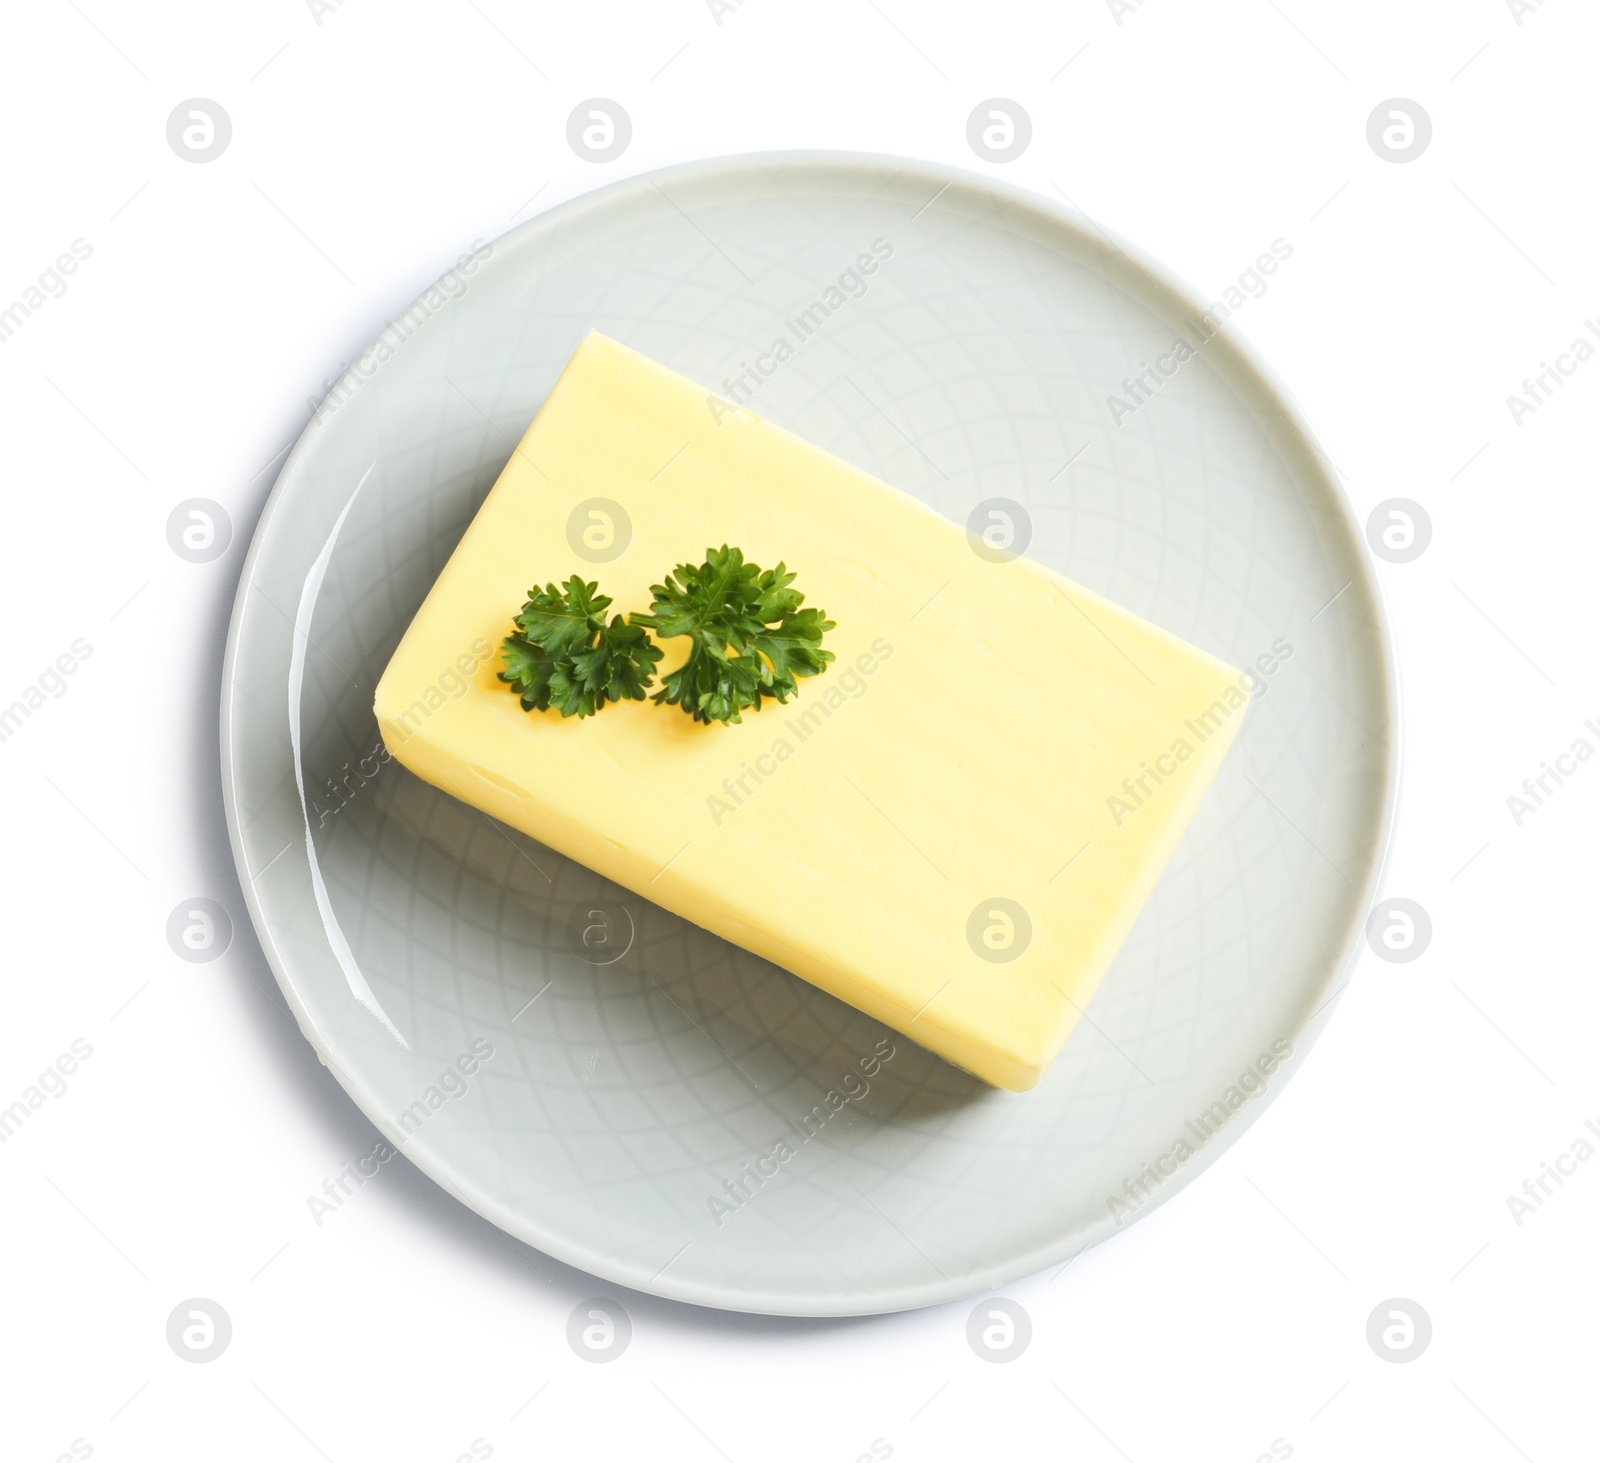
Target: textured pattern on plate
647	1078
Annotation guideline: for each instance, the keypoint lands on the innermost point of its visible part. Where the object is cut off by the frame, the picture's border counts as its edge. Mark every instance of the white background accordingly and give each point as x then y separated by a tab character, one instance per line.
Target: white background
369	148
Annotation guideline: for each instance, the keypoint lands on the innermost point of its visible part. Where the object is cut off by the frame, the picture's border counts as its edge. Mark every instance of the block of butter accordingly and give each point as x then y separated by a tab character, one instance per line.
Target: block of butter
953	828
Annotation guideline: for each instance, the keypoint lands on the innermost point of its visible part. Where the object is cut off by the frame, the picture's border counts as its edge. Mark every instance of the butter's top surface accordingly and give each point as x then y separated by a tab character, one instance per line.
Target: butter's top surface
953	828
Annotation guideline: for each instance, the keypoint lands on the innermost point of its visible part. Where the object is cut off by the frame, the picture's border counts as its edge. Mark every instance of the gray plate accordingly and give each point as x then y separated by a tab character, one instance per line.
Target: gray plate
405	927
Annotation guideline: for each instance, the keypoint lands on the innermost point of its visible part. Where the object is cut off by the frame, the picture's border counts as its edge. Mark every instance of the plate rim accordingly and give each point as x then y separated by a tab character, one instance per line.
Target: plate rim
609	1269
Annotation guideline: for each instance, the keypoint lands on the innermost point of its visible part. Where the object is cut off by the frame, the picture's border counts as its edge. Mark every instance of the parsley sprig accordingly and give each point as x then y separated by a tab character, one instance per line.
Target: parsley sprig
565	655
749	637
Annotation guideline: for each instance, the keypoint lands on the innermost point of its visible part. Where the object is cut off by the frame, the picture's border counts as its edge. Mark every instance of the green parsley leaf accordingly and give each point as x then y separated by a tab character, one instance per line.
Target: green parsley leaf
749	638
565	655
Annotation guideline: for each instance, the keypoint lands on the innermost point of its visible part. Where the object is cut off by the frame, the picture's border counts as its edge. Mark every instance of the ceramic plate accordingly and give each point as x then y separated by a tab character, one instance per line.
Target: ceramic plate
610	1083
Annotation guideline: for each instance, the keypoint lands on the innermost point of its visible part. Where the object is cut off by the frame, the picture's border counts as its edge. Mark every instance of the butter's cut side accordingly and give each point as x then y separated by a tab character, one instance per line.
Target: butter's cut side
953	828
